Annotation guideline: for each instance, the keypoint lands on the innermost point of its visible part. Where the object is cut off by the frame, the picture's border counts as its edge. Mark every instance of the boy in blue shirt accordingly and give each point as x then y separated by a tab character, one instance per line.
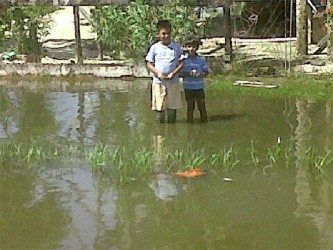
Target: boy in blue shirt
165	60
195	70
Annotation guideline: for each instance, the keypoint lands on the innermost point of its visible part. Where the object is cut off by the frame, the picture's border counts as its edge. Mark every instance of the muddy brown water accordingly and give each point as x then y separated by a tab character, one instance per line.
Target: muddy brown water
64	205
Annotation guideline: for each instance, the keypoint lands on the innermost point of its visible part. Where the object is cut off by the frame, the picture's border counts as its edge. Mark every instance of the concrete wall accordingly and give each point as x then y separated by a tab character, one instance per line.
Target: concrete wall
100	70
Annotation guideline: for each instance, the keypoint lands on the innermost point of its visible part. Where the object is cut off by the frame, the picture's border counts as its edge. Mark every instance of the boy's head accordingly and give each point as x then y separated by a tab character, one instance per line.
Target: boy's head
192	45
164	31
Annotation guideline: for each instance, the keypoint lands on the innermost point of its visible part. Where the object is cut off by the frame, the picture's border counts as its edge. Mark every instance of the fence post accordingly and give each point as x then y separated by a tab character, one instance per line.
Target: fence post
77	34
227	31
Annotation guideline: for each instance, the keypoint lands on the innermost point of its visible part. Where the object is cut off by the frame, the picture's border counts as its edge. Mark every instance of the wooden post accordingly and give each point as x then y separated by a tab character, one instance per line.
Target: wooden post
301	28
329	10
78	44
227	31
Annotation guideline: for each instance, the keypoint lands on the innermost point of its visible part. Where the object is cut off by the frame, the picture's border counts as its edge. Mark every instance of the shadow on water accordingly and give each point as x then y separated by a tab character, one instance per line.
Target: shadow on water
226	117
216	118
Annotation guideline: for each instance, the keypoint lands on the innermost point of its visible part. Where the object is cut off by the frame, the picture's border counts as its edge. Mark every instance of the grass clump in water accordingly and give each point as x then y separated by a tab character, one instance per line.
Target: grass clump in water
33	152
188	159
318	162
124	162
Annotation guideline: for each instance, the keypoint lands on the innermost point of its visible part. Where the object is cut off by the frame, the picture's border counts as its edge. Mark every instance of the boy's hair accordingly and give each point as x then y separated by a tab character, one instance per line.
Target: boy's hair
164	24
193	41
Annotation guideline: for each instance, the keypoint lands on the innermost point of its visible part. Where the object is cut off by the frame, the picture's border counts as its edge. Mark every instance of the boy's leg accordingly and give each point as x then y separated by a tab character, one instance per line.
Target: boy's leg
161	116
202	110
158	94
202	106
190	103
172	115
190	110
173	101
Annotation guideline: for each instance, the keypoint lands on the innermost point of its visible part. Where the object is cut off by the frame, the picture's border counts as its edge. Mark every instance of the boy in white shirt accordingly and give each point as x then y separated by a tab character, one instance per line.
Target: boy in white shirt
165	61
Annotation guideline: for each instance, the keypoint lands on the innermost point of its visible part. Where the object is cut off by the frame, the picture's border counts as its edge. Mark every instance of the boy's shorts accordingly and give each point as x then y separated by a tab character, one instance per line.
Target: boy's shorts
165	97
194	94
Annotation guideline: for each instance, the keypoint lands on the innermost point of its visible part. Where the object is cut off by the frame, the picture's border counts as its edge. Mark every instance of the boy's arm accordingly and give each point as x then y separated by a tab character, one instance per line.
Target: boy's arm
150	59
151	68
178	69
205	68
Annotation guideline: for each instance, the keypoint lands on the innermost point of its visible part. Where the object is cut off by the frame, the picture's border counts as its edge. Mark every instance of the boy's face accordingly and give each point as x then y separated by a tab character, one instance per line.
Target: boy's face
192	48
164	35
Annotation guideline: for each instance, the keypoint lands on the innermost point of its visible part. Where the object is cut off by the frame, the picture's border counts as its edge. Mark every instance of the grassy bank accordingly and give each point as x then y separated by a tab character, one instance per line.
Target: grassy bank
292	86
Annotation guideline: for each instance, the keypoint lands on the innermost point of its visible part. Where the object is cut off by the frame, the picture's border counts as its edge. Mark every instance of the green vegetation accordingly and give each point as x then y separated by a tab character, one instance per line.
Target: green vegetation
131	29
319	87
26	25
125	162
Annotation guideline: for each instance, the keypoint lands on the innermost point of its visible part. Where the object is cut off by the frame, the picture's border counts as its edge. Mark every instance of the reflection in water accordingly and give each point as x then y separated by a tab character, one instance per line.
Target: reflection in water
9	124
163	184
329	123
319	210
164	187
75	114
65	109
302	137
74	208
92	209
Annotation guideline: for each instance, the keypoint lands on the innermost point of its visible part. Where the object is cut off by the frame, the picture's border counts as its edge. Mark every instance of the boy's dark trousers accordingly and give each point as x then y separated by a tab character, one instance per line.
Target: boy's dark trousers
192	96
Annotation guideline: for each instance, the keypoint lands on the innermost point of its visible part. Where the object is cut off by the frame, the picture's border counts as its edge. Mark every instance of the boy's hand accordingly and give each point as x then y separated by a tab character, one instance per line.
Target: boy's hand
170	76
160	76
194	73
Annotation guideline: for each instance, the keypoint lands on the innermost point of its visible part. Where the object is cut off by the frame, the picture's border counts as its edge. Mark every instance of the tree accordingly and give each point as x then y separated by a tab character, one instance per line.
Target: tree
301	27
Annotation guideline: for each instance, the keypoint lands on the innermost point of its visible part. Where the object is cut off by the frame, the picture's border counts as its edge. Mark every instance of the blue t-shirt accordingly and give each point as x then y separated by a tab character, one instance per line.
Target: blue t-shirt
200	65
166	59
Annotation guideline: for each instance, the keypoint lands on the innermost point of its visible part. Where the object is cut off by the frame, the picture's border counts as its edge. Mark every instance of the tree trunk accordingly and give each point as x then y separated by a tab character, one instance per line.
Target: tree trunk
329	9
301	28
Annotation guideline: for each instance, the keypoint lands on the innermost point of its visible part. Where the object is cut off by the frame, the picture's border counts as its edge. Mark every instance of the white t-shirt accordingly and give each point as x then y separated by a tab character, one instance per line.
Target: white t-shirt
166	59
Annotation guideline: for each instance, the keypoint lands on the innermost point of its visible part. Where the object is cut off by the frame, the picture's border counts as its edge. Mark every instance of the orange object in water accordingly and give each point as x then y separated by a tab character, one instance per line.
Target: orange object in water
192	173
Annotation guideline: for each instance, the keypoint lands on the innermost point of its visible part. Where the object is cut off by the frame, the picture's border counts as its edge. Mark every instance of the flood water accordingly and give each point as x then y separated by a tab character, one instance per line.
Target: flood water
64	204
